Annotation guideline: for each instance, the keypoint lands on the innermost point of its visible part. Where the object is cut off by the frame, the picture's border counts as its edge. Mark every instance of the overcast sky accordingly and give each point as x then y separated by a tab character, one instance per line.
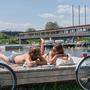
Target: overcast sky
22	14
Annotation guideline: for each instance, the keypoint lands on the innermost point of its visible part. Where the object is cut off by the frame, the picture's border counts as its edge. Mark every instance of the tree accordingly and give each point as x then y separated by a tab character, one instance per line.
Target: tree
13	40
31	41
51	25
2	35
30	29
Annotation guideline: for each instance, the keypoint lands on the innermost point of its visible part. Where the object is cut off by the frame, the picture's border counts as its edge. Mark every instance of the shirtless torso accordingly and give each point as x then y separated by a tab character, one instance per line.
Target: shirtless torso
19	59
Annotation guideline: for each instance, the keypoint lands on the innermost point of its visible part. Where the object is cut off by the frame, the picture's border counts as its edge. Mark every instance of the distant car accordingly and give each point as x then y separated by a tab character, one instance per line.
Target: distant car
59	41
85	54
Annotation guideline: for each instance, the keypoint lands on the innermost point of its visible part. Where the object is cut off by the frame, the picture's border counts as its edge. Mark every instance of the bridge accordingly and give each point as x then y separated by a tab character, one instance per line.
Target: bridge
63	32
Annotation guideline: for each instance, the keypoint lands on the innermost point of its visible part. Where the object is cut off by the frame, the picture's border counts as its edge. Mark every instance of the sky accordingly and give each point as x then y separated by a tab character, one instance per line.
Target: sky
19	15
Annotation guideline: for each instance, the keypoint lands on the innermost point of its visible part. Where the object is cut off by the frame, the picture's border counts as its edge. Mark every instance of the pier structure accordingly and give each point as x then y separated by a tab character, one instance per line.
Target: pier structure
40	74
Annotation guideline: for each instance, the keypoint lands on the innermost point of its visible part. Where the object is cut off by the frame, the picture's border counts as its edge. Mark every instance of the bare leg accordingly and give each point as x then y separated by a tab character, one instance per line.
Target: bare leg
4	58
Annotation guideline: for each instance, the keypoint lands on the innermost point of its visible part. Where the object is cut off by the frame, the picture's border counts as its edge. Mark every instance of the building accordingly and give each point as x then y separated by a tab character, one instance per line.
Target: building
70	33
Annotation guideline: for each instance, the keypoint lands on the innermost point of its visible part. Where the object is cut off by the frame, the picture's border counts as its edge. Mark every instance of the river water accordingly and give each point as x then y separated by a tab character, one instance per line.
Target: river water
78	51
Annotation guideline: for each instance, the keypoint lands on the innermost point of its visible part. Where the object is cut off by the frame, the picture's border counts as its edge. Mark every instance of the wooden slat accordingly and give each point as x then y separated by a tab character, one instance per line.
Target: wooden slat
40	74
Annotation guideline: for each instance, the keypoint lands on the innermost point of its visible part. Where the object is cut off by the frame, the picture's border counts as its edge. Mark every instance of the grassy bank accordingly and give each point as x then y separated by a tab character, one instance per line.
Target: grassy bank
70	85
56	86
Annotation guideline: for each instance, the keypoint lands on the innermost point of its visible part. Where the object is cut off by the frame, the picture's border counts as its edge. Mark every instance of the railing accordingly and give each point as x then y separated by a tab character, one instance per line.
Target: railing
56	35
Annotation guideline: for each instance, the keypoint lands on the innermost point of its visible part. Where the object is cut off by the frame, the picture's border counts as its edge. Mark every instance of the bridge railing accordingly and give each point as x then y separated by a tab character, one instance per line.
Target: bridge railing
26	36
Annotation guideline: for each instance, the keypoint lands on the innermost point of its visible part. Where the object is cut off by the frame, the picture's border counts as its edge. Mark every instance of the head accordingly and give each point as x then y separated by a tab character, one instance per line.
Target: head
34	53
58	49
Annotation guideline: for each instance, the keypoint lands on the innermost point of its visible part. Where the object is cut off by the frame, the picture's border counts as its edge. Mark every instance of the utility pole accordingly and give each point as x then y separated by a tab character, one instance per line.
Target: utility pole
79	14
85	14
72	15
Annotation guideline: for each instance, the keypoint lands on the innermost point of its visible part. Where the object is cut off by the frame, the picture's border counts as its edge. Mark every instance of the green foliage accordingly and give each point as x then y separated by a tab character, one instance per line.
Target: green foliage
2	36
8	40
85	39
51	25
30	29
55	86
33	41
13	40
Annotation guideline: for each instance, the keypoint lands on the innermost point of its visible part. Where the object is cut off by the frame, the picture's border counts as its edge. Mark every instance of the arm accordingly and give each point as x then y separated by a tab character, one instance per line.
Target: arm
42	46
30	63
52	59
41	61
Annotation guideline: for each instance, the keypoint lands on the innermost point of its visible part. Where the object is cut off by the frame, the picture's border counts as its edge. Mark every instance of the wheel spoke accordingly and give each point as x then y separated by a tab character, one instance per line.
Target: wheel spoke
10	76
83	73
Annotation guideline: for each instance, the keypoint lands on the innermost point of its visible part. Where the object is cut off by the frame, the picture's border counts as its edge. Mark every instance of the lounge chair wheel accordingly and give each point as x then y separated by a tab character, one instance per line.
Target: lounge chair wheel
83	73
10	79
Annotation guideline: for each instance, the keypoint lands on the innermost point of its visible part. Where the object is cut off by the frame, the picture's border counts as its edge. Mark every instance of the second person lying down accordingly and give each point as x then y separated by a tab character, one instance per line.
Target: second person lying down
57	56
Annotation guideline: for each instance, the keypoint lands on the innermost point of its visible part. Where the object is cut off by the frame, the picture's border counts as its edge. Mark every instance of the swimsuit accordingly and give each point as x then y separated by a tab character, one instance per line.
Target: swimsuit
11	59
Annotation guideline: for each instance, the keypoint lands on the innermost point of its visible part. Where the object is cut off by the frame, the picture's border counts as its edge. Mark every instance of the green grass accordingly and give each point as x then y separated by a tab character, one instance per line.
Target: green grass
70	85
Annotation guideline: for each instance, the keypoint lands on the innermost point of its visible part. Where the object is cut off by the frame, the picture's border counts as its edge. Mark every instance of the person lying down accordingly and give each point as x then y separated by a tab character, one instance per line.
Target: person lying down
32	58
57	56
